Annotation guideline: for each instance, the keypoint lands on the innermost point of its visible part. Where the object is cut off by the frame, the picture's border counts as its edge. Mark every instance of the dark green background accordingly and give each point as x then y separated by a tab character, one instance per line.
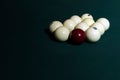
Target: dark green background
28	52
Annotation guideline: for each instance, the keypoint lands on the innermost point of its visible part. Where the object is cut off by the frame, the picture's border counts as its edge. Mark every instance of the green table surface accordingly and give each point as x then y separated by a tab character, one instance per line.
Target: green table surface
33	55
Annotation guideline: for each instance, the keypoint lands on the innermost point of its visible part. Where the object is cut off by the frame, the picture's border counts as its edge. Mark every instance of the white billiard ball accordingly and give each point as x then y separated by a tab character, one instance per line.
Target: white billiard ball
93	35
105	22
69	24
76	19
62	33
54	25
89	21
83	26
86	15
99	27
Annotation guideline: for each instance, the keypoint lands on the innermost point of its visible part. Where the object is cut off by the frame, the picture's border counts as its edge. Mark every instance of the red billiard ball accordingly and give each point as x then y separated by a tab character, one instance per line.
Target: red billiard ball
77	36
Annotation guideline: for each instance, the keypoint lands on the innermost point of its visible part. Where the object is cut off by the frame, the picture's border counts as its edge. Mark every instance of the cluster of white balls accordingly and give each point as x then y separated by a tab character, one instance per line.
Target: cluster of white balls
93	29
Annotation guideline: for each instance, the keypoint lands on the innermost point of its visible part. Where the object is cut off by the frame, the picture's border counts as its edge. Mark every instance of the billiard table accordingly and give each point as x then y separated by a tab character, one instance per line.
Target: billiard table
34	54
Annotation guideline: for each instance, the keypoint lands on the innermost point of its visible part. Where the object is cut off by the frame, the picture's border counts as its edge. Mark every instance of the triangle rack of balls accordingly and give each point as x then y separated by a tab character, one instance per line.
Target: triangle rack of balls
78	29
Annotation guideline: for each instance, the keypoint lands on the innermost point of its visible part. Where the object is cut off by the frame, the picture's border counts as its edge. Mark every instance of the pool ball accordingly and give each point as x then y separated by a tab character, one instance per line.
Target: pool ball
93	35
99	27
105	22
76	19
86	15
77	36
83	26
69	24
54	25
62	33
89	21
